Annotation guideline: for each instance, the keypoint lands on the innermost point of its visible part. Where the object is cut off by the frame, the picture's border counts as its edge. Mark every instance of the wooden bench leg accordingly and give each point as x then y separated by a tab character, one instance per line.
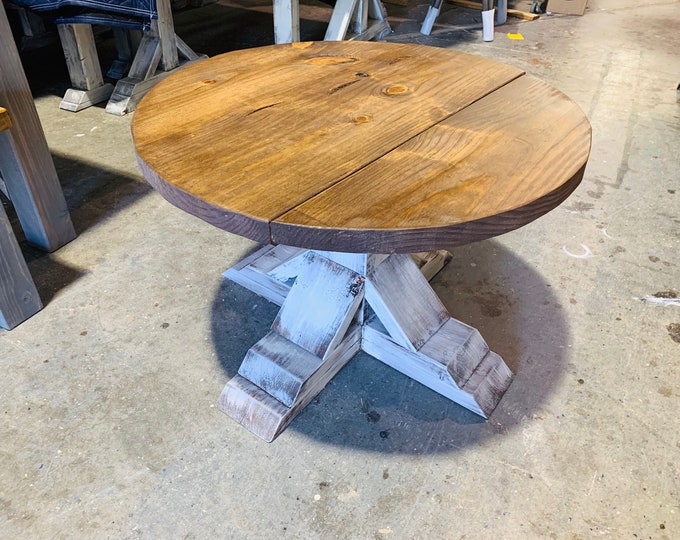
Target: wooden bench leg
286	21
486	6
369	20
126	42
84	70
34	189
19	298
159	47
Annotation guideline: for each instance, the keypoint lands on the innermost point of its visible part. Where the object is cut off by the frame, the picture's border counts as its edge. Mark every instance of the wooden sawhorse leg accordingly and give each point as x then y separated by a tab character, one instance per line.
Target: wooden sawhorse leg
351	19
160	46
367	19
486	6
18	296
82	61
338	305
30	178
286	21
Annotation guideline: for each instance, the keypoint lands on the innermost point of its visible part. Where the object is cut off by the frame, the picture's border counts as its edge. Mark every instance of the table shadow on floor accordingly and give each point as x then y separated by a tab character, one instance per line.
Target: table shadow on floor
93	192
372	407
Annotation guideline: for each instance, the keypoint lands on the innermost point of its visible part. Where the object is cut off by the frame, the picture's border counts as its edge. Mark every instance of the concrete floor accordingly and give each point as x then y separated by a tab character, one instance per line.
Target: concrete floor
108	427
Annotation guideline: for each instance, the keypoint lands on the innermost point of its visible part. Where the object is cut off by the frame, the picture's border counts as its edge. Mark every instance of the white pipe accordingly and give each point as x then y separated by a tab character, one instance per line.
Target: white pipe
487	25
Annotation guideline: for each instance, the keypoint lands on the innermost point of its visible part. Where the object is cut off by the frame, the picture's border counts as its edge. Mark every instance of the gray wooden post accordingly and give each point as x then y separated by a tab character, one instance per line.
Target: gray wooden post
18	296
34	186
82	60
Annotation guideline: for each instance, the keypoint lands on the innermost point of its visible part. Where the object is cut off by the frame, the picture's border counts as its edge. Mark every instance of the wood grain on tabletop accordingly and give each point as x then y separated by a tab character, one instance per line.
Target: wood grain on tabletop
500	163
297	143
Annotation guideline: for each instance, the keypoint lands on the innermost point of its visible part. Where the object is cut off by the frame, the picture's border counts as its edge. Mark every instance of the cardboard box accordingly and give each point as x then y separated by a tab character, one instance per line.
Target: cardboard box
567	7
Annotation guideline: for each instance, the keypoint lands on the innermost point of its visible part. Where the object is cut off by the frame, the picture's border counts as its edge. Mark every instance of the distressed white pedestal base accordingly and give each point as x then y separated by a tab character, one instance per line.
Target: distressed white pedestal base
335	304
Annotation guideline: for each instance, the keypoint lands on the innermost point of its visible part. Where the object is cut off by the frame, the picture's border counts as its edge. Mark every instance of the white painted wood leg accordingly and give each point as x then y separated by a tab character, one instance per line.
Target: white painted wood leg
310	341
414	333
369	19
340	19
271	270
82	61
410	330
286	21
30	177
124	49
159	47
19	298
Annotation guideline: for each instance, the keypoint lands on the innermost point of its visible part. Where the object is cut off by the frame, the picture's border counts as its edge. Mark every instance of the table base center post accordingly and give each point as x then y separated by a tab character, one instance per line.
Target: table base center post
339	304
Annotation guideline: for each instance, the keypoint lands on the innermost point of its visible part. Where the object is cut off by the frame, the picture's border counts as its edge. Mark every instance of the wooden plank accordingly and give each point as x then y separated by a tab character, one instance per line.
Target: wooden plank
166	34
404	301
75	100
187	52
356	262
286	21
80	51
279	367
267	417
523	15
320	305
148	56
34	188
457	346
375	30
144	74
281	262
129	91
121	65
28	198
19	298
376	10
360	17
319	99
264	285
340	20
269	272
482	172
253	408
431	262
417	366
481	394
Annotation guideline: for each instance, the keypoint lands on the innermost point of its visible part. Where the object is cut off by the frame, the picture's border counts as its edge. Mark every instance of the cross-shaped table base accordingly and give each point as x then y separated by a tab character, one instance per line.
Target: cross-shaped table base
343	303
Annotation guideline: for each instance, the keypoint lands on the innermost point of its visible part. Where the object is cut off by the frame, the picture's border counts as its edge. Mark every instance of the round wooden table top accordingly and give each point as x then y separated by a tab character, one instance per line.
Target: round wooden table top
361	147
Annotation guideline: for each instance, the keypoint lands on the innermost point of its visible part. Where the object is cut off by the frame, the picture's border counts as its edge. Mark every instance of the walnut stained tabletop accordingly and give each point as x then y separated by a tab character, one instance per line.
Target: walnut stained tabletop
360	147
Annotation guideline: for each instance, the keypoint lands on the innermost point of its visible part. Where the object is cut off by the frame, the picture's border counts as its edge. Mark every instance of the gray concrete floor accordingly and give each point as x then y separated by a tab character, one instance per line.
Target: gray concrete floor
108	427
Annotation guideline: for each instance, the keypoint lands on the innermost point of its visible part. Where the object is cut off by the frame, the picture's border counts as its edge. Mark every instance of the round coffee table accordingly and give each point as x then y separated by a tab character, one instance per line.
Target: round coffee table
343	158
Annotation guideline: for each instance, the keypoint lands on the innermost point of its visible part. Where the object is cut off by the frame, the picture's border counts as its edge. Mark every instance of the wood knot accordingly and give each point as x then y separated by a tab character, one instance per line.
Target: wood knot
362	118
331	60
395	89
209	81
